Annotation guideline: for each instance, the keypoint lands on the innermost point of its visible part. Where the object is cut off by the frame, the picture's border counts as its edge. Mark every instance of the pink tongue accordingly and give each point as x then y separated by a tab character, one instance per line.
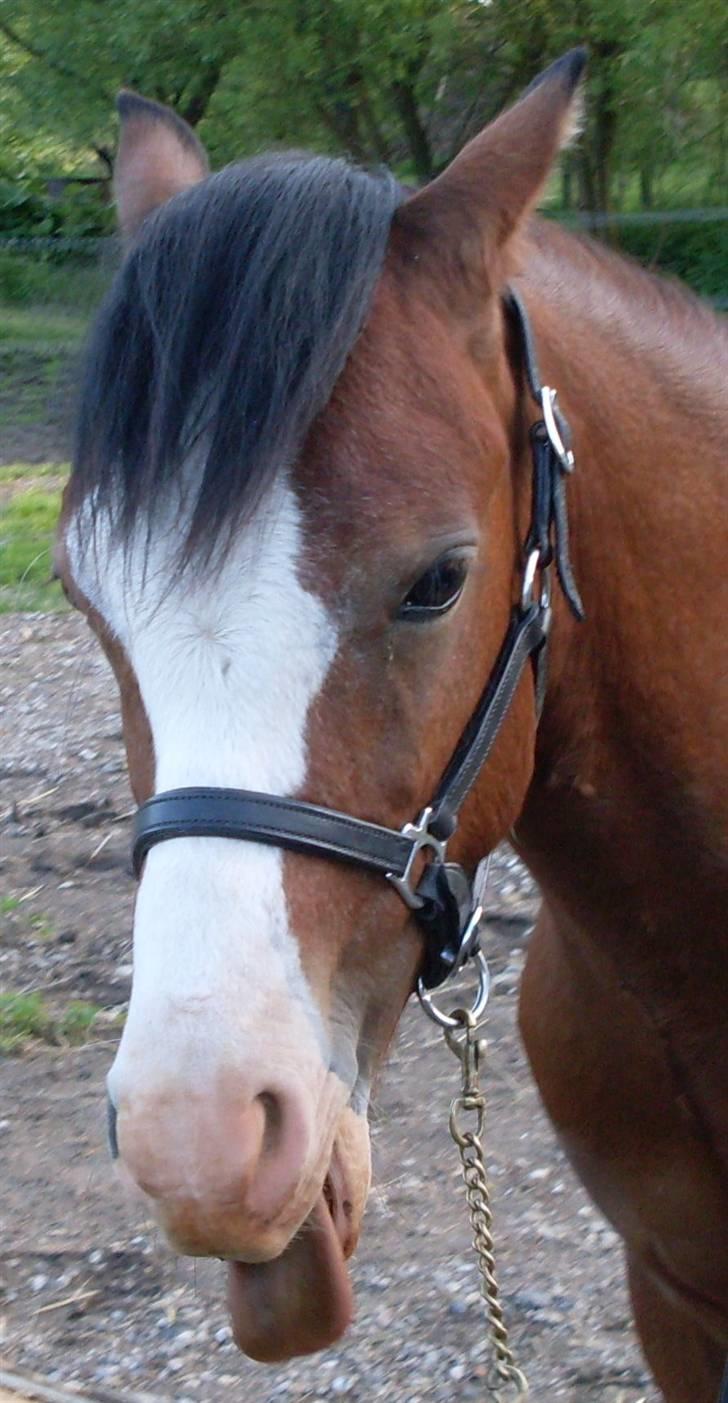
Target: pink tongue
297	1304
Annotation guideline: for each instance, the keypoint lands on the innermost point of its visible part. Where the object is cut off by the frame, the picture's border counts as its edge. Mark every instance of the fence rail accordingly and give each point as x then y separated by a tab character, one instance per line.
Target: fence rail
106	250
30	243
594	219
588	219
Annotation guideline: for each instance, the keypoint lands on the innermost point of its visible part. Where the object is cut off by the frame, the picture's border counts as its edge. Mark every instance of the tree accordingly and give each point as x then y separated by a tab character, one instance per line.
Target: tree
398	81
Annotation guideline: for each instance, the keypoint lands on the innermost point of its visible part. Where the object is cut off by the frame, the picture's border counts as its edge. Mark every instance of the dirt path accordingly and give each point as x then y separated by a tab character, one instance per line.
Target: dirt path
88	1293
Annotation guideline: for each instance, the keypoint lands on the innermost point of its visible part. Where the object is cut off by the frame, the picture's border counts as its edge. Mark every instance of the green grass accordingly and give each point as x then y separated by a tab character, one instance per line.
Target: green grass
24	1017
75	1024
41	326
41	926
28	280
18	472
29	382
37	924
27	525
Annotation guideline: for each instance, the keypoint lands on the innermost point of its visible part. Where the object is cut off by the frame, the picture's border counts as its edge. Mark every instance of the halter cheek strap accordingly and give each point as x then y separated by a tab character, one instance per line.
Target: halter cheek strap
442	901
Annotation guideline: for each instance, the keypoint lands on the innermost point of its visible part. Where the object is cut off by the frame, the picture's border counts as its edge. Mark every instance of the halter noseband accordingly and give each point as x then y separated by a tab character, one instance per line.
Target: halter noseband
442	900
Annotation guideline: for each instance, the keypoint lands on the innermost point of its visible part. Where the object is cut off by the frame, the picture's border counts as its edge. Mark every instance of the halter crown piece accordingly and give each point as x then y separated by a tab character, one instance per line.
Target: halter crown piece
442	901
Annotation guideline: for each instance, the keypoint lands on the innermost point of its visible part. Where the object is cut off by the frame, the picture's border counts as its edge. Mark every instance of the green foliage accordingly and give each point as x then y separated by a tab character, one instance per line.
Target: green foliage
21	211
402	81
22	280
653	90
695	252
79	212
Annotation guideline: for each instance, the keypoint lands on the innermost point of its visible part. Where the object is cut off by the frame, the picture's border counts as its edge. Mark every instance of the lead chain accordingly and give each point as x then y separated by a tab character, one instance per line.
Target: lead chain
471	1102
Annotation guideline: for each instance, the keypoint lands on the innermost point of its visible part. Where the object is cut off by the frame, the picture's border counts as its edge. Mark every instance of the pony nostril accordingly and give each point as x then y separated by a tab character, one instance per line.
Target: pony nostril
111	1128
196	1157
272	1108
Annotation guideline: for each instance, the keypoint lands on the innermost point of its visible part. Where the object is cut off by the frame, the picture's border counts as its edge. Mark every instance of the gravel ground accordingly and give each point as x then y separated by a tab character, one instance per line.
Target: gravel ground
89	1294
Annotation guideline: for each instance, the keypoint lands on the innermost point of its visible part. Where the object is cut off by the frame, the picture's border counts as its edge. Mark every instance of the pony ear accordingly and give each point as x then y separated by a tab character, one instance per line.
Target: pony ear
158	155
470	212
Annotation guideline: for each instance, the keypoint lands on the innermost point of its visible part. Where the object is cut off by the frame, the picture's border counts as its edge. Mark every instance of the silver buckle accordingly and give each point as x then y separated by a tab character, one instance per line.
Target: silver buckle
421	838
549	405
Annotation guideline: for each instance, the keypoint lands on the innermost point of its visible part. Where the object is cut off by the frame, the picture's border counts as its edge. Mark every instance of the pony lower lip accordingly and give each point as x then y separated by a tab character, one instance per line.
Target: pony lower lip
298	1303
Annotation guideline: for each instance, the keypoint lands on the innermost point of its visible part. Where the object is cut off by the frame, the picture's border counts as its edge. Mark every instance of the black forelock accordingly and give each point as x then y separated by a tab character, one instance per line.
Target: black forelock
224	332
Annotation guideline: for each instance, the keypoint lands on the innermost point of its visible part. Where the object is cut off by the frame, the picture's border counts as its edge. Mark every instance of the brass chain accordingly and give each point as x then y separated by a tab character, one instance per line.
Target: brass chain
470	1051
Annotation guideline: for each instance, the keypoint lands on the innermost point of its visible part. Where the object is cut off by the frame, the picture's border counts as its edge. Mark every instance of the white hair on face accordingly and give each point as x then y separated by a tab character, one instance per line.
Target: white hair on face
227	668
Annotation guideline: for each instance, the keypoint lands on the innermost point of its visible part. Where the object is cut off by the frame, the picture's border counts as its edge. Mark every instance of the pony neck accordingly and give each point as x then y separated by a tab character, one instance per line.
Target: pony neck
625	820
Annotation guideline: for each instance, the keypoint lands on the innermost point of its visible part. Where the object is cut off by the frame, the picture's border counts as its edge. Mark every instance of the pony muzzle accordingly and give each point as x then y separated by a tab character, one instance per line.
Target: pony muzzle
223	1176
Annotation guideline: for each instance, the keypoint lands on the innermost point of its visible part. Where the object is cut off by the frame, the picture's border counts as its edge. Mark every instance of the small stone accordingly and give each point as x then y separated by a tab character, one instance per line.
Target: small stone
458	1308
530	1300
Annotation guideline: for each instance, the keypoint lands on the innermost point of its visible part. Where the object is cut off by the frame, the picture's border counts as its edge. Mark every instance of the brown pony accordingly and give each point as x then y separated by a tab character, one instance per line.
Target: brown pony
295	522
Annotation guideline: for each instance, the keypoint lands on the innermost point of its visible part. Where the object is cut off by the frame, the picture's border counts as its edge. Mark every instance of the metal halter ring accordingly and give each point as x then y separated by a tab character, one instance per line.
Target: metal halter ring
550	409
532	568
475	1012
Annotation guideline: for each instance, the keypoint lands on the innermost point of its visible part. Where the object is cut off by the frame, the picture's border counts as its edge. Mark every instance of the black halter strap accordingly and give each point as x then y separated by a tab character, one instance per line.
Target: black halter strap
442	901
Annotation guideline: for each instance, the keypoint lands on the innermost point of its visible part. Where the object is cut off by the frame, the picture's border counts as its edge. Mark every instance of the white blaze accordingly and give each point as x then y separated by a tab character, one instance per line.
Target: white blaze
228	665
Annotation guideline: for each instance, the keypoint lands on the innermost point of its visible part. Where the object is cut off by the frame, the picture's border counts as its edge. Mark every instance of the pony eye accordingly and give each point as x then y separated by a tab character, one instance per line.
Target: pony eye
436	591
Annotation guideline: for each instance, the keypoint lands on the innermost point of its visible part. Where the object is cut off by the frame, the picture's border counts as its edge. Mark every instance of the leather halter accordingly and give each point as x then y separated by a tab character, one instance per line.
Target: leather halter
442	900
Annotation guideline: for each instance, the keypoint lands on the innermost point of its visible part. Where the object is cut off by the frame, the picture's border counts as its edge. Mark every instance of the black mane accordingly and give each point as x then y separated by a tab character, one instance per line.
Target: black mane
224	331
